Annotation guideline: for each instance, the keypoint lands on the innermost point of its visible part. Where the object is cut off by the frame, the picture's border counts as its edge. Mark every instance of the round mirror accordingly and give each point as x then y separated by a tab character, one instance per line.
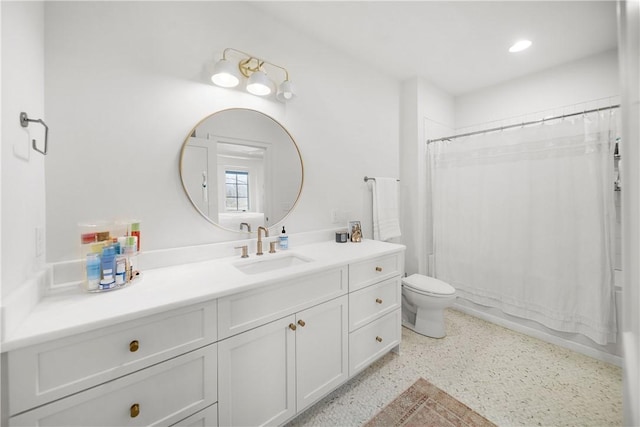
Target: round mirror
241	169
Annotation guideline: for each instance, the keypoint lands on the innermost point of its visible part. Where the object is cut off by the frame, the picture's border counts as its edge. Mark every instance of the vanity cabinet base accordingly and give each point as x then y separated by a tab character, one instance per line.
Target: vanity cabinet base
256	356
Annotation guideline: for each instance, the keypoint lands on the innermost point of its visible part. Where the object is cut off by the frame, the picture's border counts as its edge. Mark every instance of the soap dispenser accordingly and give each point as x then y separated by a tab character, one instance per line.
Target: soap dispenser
284	239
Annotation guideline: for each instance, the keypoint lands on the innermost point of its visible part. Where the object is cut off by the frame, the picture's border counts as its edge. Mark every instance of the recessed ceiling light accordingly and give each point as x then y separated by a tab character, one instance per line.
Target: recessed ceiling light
520	46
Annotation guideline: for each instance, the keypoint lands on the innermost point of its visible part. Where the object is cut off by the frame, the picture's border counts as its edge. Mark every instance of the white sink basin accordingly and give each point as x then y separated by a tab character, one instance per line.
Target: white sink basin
270	263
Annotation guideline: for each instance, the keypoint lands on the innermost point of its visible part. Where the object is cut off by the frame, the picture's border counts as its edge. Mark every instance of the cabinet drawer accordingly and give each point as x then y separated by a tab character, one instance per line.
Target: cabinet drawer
373	340
208	417
247	310
372	271
373	301
164	394
49	371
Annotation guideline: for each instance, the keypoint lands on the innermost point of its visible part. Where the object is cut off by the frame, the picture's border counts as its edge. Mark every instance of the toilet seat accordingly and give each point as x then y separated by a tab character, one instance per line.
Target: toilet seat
428	285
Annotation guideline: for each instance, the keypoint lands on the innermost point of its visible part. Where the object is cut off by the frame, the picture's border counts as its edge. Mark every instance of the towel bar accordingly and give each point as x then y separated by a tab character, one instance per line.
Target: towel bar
366	178
24	122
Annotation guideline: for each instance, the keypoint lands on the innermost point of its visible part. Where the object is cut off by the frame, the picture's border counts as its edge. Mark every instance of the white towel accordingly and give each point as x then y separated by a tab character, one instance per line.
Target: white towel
386	223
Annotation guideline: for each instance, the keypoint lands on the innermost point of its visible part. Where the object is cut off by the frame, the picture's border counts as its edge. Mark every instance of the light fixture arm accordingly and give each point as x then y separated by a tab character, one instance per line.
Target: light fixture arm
247	69
286	73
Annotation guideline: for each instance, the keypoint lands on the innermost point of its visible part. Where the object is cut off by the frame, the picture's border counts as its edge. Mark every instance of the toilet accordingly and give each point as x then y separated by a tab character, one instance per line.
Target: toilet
423	302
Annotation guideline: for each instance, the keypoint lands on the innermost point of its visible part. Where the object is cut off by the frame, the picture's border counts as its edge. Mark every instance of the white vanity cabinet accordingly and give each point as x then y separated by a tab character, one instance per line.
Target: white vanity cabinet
152	371
225	348
270	373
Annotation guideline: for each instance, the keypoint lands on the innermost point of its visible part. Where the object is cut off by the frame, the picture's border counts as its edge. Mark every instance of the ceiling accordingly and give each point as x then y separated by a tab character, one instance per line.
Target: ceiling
460	46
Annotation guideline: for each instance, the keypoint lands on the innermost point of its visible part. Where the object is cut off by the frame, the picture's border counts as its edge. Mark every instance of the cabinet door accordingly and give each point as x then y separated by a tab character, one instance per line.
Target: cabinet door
256	381
321	350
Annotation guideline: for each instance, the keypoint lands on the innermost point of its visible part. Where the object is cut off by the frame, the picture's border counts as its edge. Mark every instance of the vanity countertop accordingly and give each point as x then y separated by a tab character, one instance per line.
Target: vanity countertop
75	311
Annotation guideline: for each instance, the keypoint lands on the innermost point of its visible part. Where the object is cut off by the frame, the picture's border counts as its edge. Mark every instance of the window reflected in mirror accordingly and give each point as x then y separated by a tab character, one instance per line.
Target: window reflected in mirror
237	191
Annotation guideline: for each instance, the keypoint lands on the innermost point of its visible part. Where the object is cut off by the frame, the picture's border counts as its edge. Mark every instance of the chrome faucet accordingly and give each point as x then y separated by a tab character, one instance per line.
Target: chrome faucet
248	226
266	234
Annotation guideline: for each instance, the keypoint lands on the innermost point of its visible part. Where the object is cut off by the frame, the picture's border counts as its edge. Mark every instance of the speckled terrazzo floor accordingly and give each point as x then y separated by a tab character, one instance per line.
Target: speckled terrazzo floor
509	378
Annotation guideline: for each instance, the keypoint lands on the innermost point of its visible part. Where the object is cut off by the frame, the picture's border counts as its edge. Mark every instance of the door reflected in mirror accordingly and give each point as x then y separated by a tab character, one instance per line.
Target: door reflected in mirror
241	169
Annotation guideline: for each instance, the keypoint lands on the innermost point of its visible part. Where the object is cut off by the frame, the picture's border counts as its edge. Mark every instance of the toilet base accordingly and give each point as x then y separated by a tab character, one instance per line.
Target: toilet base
429	323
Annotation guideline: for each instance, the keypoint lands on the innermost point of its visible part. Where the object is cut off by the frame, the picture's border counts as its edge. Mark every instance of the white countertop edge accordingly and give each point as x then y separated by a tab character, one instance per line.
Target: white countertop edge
168	288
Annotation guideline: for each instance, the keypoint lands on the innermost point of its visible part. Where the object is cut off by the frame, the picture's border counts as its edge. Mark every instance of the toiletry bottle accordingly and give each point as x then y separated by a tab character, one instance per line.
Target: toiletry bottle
108	267
122	242
93	271
103	236
116	243
86	240
284	239
130	254
121	270
135	231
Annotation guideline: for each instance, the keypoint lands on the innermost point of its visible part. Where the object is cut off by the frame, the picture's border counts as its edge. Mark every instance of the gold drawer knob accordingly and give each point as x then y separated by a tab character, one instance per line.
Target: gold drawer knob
301	323
378	300
378	269
292	326
134	411
134	346
379	339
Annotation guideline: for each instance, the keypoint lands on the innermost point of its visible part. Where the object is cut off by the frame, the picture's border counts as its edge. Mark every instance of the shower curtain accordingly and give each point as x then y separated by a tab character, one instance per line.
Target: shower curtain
523	221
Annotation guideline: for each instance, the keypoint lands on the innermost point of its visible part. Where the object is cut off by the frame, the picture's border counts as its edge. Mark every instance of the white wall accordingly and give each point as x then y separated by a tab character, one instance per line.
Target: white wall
577	82
125	83
427	112
23	170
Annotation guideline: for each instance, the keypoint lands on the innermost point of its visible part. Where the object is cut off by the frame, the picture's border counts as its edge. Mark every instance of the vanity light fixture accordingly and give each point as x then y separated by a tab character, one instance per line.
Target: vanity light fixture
520	45
259	84
226	74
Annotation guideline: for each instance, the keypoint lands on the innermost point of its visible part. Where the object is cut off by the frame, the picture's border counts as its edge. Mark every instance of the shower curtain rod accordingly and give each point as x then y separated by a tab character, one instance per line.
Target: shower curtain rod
448	138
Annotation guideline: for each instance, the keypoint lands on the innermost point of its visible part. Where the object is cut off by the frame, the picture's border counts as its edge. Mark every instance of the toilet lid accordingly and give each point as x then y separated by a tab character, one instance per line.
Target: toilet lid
428	285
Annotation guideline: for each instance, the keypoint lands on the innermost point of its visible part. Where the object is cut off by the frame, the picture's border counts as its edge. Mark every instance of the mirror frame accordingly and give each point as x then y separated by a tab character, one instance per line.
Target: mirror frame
184	186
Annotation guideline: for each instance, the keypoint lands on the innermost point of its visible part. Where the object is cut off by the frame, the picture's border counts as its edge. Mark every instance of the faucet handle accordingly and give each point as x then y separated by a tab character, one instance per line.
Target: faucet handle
272	247
245	251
